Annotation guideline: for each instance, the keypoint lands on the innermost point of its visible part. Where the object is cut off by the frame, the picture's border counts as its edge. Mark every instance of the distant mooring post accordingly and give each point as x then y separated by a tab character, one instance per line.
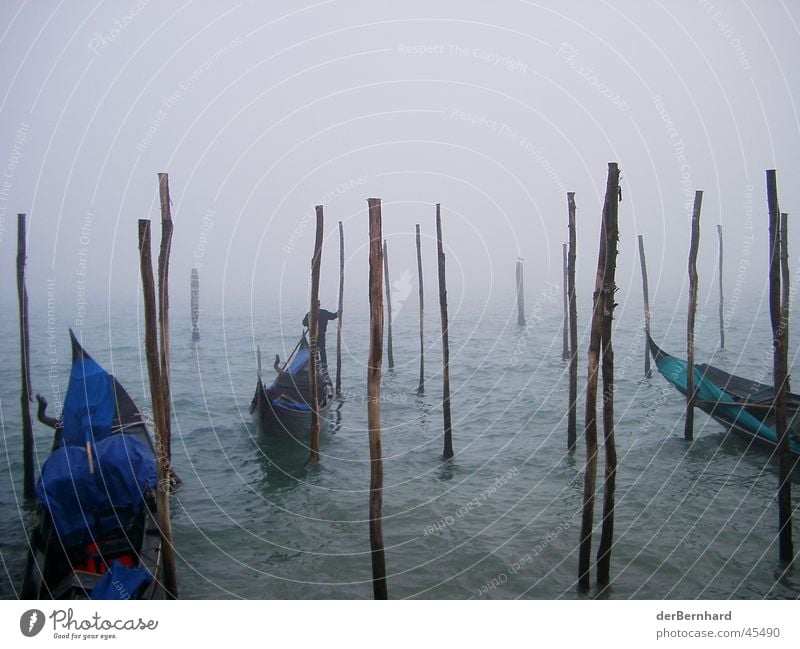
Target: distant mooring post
421	386
520	295
379	588
572	437
600	338
688	429
341	308
779	313
565	346
168	571
195	305
28	481
648	373
313	326
388	305
448	430
721	319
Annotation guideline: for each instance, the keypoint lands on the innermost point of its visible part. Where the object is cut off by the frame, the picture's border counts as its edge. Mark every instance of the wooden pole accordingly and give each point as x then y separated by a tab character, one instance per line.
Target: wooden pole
785	289
565	341
572	436
195	305
648	372
520	296
688	429
28	480
379	588
168	575
313	326
341	309
595	343
388	305
607	297
421	386
448	430
163	308
721	319
780	370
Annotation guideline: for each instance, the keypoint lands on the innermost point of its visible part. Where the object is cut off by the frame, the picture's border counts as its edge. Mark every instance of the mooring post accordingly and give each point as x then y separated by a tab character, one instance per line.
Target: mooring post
374	400
565	328
163	308
168	575
28	480
785	290
448	430
688	430
313	327
572	436
648	373
778	312
388	305
721	319
607	297
520	295
595	343
195	305
421	386
341	309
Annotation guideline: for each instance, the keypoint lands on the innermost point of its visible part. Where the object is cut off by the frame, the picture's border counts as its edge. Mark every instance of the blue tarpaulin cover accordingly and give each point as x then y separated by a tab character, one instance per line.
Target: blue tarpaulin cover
121	582
89	405
124	469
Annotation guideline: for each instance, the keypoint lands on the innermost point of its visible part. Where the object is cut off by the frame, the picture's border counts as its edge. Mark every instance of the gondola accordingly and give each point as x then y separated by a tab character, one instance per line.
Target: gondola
743	406
96	534
284	408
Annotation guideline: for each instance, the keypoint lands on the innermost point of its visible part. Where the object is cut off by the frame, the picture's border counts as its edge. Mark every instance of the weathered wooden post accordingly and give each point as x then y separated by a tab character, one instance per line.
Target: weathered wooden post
341	309
785	289
607	297
602	301
163	308
721	319
313	327
421	386
448	430
778	311
688	429
195	305
520	295
565	340
648	373
388	305
167	565
379	588
28	480
572	437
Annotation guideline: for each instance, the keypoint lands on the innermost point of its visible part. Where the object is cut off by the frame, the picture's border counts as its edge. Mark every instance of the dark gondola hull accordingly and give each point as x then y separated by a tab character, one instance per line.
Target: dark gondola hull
59	570
273	420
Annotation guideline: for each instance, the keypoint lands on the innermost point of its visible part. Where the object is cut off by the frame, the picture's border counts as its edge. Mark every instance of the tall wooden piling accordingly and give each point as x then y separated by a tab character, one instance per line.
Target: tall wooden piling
389	353
379	587
721	318
168	576
313	327
339	313
648	372
778	311
572	435
603	301
688	429
163	307
195	285
520	295
421	386
448	429
785	288
609	446
28	479
565	337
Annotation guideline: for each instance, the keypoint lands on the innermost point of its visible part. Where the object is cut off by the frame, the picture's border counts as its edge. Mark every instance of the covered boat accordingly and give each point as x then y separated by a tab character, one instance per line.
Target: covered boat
96	534
284	408
744	406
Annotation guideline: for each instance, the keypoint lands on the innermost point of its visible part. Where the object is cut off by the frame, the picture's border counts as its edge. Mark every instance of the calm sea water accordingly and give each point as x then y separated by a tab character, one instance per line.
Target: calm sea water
500	521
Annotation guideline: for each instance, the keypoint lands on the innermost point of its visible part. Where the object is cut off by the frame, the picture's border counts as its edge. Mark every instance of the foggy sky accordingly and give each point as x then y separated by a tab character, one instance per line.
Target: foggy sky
261	110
